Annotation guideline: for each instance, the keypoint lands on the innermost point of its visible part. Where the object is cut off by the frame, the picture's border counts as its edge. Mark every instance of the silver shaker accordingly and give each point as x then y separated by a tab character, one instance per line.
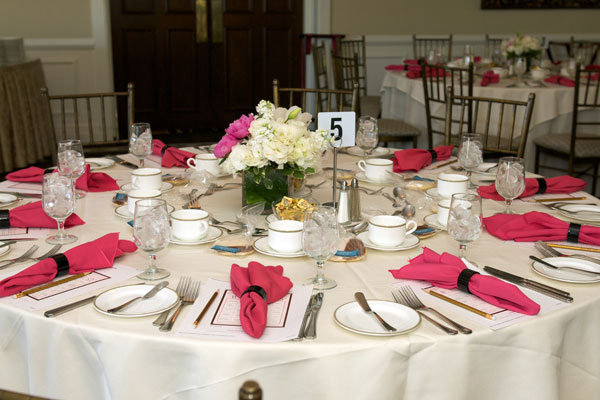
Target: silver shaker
355	214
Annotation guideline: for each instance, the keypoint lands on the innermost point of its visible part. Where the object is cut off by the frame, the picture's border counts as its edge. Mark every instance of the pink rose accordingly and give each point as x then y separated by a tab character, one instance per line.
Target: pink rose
225	145
239	128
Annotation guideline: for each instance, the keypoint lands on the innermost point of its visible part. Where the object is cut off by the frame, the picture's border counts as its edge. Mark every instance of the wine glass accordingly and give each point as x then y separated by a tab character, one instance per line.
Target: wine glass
432	57
468	57
367	135
140	140
510	180
520	68
58	202
319	238
470	152
71	161
151	233
465	220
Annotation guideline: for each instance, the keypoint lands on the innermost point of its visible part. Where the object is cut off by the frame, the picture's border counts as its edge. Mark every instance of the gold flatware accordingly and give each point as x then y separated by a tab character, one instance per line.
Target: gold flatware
564	246
560	199
444	164
206	307
50	284
459	304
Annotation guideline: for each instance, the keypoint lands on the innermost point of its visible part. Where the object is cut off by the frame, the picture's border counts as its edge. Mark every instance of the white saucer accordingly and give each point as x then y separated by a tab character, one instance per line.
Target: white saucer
99	163
564	275
385	181
352	317
166	186
123	211
262	246
213	234
7	199
164	300
432	220
433	192
5	249
410	242
377	152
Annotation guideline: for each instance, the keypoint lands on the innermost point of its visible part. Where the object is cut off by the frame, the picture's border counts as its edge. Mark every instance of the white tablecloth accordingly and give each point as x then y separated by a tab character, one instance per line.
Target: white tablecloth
85	354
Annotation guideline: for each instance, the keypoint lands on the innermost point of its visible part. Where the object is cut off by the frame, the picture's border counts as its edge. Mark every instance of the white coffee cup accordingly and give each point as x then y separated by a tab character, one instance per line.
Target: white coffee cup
189	224
443	208
140	194
285	236
538	74
502	72
389	230
376	168
448	184
146	178
205	162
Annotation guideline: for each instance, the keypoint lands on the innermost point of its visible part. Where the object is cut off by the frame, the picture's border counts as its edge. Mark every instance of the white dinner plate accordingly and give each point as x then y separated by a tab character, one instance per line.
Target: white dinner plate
7	199
99	163
166	186
580	212
432	220
410	242
5	249
352	317
213	234
262	246
377	152
388	180
164	300
565	275
123	211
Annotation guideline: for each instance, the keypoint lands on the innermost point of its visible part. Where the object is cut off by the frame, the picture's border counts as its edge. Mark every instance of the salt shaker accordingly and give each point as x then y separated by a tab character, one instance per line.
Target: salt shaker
354	201
344	204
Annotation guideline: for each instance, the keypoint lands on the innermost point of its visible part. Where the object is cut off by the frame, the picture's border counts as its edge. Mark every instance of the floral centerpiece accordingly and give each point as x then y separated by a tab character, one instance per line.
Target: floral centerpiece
521	46
269	148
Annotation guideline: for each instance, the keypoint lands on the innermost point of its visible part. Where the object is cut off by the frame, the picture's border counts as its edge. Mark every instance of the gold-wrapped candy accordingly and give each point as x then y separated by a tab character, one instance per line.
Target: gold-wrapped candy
293	208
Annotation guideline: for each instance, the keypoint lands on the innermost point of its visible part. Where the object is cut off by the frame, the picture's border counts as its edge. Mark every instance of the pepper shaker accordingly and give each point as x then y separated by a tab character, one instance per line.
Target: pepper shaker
355	214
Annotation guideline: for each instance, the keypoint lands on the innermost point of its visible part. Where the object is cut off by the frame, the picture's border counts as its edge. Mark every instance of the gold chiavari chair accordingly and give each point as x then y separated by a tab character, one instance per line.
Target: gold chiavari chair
581	150
422	46
584	51
492	45
558	51
321	76
334	98
504	125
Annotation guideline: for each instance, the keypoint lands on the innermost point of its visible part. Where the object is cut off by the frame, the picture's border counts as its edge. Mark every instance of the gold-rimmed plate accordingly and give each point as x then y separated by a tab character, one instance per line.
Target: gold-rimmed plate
353	318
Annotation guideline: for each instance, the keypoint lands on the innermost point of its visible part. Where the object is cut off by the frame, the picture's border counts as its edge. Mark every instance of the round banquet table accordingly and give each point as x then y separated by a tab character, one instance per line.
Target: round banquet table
86	354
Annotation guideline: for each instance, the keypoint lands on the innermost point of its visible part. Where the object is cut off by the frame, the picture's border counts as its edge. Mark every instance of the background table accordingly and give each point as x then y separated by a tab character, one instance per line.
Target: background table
85	354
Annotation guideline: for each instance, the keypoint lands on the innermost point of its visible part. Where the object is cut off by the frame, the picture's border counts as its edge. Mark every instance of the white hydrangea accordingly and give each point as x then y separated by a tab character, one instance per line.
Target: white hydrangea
521	46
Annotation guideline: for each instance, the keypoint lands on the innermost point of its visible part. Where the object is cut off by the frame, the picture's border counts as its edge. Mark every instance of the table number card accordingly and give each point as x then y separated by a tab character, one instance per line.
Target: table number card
341	126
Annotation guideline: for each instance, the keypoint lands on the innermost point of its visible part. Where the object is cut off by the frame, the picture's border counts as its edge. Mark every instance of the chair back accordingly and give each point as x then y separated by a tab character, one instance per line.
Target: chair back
559	51
503	124
287	97
345	76
585	51
351	47
422	46
492	45
434	89
586	96
321	76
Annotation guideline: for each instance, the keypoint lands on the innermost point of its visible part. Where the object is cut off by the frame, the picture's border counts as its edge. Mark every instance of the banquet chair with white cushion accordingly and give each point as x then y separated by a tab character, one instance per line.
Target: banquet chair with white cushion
441	45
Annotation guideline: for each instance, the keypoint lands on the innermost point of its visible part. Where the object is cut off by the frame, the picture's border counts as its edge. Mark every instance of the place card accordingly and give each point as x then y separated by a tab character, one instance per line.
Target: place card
34	233
228	312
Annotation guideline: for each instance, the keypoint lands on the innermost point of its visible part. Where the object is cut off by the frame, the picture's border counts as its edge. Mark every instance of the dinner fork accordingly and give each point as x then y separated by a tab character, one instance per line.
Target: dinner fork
22	257
188	298
551	252
401	298
160	321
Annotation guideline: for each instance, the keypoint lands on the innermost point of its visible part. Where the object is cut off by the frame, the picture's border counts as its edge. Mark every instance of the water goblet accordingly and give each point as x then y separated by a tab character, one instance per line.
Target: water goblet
470	152
465	220
151	233
320	238
510	180
468	57
520	66
432	57
367	135
140	141
58	202
71	161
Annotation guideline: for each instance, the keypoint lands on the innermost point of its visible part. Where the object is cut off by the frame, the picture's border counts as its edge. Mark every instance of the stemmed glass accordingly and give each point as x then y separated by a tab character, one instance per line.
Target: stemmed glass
71	161
319	238
468	58
520	69
58	201
510	180
367	135
470	152
151	233
140	140
465	220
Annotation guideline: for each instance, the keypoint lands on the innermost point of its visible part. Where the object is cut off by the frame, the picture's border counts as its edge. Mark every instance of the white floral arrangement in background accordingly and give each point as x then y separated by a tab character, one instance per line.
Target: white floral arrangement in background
521	46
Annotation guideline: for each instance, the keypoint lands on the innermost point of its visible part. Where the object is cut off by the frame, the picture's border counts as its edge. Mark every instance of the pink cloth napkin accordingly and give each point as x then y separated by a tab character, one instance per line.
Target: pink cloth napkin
32	215
171	156
490	77
415	159
557	184
560	80
443	271
89	181
430	71
253	308
403	67
592	67
99	253
536	225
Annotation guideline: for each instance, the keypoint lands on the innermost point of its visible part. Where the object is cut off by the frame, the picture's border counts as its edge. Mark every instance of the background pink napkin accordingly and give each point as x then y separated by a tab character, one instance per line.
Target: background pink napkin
89	181
415	159
557	184
253	308
430	71
32	215
99	253
490	77
172	157
443	270
535	226
560	80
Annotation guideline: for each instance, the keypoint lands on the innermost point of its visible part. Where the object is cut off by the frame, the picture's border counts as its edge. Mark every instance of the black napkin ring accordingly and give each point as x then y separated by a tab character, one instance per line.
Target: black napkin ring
463	279
162	151
433	155
573	233
256	289
4	219
62	264
542	186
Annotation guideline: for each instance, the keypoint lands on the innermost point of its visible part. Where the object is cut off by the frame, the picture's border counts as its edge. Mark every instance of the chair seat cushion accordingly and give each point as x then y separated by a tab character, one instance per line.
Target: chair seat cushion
396	127
562	143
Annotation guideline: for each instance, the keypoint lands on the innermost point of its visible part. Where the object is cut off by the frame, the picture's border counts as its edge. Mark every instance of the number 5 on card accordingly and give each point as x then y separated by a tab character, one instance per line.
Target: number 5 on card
341	126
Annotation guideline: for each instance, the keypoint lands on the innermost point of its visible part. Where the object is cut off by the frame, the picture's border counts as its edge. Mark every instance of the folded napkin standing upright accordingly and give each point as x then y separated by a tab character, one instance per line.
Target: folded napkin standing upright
416	159
33	216
535	225
448	271
256	286
171	156
99	253
557	184
560	80
89	181
490	77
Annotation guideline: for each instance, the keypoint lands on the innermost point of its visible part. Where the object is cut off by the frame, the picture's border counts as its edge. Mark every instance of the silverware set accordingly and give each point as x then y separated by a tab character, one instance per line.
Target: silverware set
548	251
27	256
308	329
188	293
407	297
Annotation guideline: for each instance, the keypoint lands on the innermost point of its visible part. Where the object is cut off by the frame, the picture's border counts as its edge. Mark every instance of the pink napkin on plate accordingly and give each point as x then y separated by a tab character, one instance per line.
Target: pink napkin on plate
89	181
416	159
171	156
256	286
444	271
557	184
490	77
99	253
560	80
535	225
32	215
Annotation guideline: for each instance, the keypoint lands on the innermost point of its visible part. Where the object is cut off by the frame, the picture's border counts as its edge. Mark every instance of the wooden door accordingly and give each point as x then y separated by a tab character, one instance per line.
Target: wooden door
197	65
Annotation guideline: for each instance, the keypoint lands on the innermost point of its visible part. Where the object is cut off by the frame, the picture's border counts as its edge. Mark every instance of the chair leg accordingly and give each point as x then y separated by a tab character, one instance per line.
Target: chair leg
536	168
595	178
415	139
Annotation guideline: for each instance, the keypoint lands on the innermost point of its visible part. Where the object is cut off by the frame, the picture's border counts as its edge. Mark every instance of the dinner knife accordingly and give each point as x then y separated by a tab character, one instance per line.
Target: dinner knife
63	309
9	242
302	330
158	287
362	301
24	195
125	163
533	285
583	271
14	240
311	330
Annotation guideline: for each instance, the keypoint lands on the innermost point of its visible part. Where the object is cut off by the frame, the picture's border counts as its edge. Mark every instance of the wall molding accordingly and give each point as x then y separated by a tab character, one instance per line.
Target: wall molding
83	43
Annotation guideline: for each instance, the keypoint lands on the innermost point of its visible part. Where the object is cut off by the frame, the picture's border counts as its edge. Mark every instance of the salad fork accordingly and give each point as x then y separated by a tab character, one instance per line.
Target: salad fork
401	298
22	257
163	316
190	295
